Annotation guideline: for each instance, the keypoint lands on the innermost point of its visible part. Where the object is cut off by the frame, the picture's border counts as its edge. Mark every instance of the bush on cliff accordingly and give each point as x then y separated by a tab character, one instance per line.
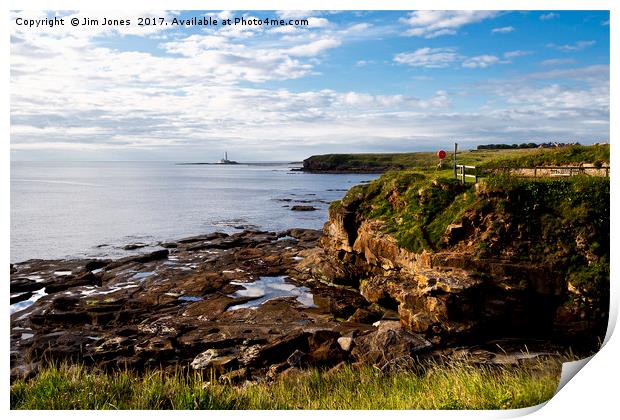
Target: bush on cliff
416	209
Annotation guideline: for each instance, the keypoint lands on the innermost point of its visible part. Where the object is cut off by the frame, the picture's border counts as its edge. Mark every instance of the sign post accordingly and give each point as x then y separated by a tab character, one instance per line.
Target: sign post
454	158
441	155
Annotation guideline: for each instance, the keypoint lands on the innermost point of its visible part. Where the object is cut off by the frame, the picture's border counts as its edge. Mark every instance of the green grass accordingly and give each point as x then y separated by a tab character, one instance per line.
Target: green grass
486	158
415	207
572	155
424	161
440	385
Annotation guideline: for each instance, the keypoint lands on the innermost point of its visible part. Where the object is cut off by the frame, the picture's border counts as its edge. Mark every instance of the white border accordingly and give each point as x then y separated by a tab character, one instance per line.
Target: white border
591	394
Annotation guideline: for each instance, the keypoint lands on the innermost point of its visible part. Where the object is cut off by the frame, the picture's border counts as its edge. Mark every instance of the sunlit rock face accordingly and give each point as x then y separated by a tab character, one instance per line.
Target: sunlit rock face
452	294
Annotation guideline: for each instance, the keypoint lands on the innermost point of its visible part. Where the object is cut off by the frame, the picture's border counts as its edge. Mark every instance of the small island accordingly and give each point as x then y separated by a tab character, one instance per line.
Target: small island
224	161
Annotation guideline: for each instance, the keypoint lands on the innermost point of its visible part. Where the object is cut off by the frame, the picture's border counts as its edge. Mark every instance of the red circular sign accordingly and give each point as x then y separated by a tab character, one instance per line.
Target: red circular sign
441	154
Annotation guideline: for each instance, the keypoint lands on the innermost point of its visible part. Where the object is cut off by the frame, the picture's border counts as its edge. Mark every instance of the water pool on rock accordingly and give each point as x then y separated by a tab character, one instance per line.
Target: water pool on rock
267	288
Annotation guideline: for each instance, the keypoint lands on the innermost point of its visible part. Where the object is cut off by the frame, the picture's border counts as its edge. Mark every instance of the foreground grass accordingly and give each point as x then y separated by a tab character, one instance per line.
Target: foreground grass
440	386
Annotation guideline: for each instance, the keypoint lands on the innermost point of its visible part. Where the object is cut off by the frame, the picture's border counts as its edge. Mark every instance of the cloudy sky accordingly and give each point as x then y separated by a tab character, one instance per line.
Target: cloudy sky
347	82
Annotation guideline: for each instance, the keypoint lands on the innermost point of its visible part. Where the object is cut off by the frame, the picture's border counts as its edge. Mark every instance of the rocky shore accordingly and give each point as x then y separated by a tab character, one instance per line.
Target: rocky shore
240	304
248	306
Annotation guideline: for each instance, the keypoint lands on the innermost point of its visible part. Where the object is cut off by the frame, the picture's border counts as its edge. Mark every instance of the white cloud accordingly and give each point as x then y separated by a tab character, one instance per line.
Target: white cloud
384	102
362	63
515	54
503	30
480	61
313	48
431	24
428	57
287	29
296	14
577	46
444	57
558	61
595	75
75	96
223	15
557	97
358	27
314	22
548	16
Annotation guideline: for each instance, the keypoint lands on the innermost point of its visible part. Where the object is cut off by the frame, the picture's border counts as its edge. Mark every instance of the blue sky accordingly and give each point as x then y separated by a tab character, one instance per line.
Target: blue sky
349	82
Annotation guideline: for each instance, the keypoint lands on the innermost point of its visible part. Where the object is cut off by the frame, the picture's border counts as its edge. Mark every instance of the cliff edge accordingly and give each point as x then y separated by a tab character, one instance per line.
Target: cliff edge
507	257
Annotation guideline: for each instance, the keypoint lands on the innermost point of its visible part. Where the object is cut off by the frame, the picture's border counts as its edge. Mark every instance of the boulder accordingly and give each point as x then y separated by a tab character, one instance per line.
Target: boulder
277	350
211	359
68	282
297	359
346	343
22	284
20	297
389	343
303	208
324	348
365	316
144	258
137	245
169	245
201	238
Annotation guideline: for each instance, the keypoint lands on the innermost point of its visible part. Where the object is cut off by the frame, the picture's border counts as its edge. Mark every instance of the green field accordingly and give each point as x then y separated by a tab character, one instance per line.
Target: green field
487	158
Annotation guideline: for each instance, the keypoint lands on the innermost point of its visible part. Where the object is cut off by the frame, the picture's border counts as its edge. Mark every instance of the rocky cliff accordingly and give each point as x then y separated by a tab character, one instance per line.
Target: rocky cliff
506	258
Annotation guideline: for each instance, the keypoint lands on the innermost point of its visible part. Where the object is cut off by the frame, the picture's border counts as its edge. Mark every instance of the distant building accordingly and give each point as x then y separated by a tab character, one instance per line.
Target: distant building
225	161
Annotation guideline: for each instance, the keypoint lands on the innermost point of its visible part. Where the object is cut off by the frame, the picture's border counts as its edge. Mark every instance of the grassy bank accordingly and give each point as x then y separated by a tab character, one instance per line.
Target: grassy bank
453	385
418	208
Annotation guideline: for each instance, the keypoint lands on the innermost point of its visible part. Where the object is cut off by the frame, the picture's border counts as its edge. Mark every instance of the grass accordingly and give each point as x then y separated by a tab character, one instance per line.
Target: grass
424	161
416	208
572	155
440	385
486	158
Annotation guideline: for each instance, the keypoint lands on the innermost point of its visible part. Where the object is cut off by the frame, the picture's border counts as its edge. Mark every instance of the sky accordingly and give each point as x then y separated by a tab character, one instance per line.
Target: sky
353	81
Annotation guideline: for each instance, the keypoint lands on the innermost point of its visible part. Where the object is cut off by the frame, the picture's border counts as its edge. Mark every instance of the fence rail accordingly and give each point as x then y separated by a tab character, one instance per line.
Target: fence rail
462	172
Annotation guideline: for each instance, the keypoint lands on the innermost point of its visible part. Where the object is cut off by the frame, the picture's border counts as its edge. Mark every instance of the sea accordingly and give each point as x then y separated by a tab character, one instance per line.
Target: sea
94	209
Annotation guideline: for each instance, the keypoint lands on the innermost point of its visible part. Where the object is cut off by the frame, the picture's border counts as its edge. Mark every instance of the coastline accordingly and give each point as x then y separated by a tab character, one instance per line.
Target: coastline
376	287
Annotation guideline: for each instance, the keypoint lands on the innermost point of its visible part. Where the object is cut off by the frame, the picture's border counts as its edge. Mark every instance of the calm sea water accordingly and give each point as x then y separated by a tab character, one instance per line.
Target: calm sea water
93	209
